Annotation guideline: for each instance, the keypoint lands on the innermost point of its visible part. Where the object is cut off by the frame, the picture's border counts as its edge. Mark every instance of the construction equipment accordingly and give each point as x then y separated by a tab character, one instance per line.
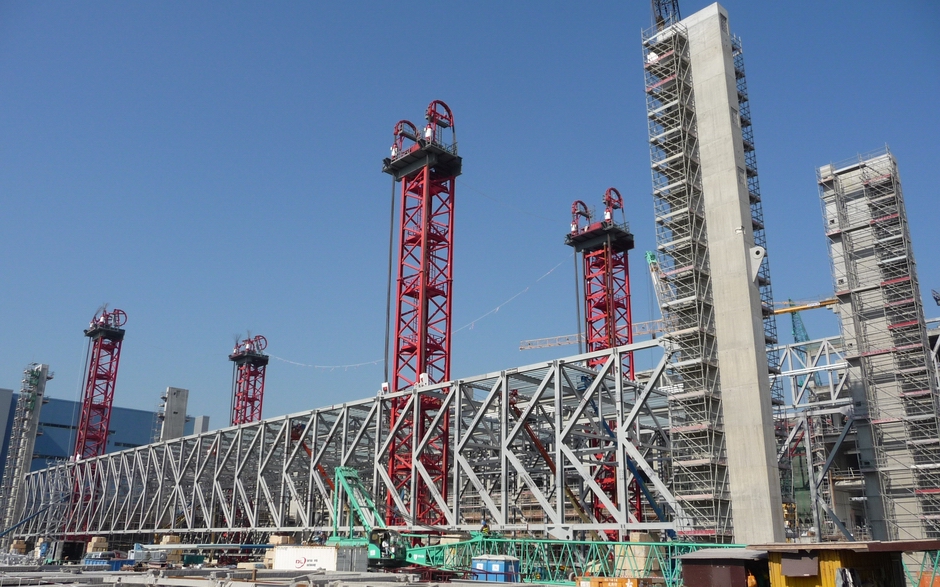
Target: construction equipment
789	306
353	503
427	166
606	276
798	330
650	328
665	13
106	337
656	327
248	379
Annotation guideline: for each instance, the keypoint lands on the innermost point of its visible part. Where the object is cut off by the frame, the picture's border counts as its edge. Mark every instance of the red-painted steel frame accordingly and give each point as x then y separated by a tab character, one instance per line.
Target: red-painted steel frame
251	365
608	321
607	303
423	322
98	396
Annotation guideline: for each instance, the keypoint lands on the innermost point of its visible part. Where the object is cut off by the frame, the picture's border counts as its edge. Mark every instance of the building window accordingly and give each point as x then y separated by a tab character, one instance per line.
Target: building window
51	425
724	23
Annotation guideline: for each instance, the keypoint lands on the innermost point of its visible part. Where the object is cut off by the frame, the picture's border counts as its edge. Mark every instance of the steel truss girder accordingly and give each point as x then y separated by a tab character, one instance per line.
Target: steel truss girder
817	376
275	475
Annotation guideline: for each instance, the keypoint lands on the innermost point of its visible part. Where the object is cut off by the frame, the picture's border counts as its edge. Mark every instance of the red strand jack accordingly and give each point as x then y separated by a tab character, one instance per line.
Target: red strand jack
426	164
106	337
248	379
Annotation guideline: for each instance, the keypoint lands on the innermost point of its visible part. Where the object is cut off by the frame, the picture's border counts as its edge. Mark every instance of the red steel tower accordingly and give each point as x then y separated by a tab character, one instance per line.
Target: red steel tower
608	321
248	379
427	166
603	246
106	336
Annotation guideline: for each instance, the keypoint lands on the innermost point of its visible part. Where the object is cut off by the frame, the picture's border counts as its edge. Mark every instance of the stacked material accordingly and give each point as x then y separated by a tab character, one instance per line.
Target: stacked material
281	539
275	540
97	544
173	557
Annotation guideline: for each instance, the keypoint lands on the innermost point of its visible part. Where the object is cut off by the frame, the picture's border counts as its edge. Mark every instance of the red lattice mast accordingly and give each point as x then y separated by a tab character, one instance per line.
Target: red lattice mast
603	246
106	337
248	380
608	320
427	166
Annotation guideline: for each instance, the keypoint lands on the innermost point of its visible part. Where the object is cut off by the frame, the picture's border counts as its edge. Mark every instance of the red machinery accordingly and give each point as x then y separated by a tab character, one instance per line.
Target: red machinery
106	337
427	166
608	320
248	380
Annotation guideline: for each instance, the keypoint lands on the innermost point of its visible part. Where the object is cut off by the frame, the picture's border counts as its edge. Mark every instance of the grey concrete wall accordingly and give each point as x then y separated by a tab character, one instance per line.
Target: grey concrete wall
174	419
200	424
745	387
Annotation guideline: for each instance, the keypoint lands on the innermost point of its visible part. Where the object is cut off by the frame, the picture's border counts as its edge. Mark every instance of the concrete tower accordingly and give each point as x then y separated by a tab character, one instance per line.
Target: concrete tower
891	371
717	303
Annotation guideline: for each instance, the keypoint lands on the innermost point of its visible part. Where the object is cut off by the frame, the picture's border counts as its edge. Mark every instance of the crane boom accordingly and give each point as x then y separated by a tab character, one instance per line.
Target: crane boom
665	12
650	328
791	306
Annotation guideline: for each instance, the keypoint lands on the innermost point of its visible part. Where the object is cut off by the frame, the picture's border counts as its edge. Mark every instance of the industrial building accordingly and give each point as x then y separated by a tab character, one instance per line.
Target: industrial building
731	437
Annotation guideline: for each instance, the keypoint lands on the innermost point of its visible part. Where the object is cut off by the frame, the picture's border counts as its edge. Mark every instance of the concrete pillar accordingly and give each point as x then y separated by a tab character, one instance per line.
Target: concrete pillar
174	419
748	422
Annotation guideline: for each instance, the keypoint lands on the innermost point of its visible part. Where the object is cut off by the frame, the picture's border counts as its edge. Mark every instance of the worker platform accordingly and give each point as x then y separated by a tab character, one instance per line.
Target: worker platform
443	159
600	233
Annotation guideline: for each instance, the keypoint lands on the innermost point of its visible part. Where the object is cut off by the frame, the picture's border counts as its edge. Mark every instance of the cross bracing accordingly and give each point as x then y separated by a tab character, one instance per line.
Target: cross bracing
276	475
820	427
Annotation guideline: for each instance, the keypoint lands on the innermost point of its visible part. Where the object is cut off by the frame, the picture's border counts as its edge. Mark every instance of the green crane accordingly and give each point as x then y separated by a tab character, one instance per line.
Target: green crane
353	502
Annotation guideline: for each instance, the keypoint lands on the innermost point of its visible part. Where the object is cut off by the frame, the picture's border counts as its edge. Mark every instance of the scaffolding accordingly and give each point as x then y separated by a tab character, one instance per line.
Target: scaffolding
22	440
699	468
886	340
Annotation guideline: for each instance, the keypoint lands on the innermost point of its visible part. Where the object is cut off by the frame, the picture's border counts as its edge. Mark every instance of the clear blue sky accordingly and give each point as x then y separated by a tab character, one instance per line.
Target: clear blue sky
214	167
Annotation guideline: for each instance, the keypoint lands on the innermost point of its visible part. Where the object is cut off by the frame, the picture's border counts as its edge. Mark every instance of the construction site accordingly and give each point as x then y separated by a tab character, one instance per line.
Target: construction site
727	450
